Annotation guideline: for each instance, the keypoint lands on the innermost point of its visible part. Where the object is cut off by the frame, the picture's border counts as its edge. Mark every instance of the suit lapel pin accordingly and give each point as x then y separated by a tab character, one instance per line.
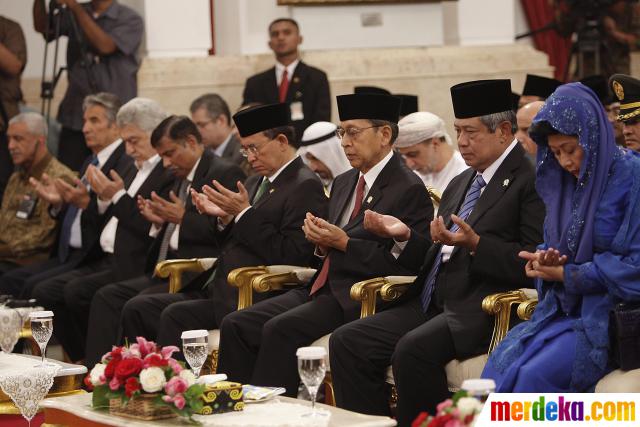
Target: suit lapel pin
272	190
369	199
296	80
505	183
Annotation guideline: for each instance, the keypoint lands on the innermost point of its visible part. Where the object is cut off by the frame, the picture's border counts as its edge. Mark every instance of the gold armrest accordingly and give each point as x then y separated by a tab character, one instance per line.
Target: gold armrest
173	269
241	278
435	195
525	309
395	287
366	290
280	276
499	305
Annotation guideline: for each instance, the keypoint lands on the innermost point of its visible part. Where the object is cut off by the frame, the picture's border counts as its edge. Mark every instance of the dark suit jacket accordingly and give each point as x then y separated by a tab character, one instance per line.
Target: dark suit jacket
508	217
91	221
308	85
198	233
396	191
132	240
232	153
270	232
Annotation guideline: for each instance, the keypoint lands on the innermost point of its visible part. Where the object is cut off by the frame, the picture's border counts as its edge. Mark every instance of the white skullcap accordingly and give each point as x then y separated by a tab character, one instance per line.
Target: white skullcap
321	141
419	127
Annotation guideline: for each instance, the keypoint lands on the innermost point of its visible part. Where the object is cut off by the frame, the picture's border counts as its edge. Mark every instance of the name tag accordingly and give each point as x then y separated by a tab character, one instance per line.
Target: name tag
296	111
27	206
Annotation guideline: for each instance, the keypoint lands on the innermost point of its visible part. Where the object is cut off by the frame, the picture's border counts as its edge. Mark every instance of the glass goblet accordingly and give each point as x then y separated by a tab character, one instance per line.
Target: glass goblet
195	345
41	330
312	368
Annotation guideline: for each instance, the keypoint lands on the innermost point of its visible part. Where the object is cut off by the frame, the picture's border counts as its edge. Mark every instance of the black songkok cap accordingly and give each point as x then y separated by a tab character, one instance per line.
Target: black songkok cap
369	107
359	90
627	91
600	85
539	86
481	97
409	104
515	101
261	118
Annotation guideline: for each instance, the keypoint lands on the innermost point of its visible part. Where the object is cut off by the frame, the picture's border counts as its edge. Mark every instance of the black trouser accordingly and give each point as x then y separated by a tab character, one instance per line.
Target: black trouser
417	345
141	315
72	148
104	328
69	296
21	281
258	345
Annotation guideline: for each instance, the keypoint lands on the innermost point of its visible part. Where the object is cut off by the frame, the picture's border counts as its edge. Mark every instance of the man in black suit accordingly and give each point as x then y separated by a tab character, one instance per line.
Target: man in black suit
258	345
474	254
76	207
179	230
304	88
260	224
211	114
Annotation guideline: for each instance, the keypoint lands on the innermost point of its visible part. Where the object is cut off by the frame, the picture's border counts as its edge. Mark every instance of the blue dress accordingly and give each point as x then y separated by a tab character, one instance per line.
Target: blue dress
564	347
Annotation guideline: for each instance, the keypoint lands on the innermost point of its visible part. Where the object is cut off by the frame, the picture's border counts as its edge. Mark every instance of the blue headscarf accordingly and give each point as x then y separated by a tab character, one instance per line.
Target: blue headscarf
574	109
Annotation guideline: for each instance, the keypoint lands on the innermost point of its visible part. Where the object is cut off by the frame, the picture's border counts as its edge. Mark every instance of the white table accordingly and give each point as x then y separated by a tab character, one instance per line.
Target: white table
76	410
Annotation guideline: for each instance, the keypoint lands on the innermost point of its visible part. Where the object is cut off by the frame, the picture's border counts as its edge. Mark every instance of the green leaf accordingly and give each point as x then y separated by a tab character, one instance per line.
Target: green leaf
458	395
99	397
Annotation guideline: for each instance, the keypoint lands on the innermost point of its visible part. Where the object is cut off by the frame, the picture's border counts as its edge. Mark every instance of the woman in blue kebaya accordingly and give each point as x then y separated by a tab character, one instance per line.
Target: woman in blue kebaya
590	259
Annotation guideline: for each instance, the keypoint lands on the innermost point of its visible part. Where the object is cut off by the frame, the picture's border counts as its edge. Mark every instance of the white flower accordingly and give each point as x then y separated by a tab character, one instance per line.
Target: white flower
97	374
152	379
468	406
188	376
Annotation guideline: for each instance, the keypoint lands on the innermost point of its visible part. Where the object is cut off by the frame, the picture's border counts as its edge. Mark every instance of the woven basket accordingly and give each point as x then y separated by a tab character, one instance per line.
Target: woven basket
140	407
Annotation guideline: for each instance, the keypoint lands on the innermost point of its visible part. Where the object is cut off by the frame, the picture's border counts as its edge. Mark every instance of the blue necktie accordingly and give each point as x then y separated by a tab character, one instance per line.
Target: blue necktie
473	194
67	222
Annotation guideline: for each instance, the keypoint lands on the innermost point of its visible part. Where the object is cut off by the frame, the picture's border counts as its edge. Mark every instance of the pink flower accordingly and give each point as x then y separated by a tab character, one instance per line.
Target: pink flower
175	386
114	384
175	366
444	405
168	351
132	352
178	400
145	346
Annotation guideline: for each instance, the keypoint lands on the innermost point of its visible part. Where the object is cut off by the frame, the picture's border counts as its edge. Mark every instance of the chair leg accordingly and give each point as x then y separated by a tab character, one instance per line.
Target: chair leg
393	399
329	397
214	361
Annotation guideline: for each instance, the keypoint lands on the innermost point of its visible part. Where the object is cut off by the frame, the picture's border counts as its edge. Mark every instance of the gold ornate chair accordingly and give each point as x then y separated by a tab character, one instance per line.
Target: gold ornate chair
280	276
617	381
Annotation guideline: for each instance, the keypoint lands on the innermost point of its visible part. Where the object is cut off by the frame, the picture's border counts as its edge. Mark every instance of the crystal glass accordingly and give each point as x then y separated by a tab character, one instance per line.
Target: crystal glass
195	344
312	368
41	330
480	388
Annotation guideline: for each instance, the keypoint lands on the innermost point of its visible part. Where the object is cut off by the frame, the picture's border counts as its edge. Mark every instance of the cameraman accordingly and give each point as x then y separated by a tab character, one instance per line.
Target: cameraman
616	21
104	37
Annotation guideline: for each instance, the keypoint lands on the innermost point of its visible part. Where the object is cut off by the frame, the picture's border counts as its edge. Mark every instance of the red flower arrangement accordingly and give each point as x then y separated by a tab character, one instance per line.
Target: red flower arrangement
128	371
459	411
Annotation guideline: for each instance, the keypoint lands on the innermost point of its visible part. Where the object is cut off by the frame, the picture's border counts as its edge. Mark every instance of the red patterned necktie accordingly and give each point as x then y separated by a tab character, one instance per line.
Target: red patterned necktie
324	271
284	86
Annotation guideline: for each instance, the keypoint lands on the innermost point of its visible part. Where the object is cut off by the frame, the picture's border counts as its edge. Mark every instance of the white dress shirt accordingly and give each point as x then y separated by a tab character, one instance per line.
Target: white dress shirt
108	236
75	238
291	68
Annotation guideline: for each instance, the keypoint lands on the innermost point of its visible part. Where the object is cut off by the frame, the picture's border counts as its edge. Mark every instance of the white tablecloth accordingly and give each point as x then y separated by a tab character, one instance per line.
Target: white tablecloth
11	322
281	411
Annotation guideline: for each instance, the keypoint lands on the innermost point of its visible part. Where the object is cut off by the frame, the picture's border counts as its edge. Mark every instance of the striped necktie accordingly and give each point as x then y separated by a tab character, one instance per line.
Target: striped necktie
473	194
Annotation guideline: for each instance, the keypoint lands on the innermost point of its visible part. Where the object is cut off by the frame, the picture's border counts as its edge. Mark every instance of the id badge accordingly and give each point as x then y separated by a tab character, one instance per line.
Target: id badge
296	111
27	206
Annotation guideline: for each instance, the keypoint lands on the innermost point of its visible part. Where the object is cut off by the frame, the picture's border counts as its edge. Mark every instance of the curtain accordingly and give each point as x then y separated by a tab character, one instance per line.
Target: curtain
539	14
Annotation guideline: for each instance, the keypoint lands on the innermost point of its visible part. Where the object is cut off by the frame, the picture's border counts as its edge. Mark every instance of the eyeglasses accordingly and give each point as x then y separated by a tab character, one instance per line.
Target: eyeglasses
252	149
352	132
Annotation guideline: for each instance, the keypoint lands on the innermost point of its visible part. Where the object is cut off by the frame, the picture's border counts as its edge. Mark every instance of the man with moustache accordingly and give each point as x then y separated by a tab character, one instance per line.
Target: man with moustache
177	229
627	91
